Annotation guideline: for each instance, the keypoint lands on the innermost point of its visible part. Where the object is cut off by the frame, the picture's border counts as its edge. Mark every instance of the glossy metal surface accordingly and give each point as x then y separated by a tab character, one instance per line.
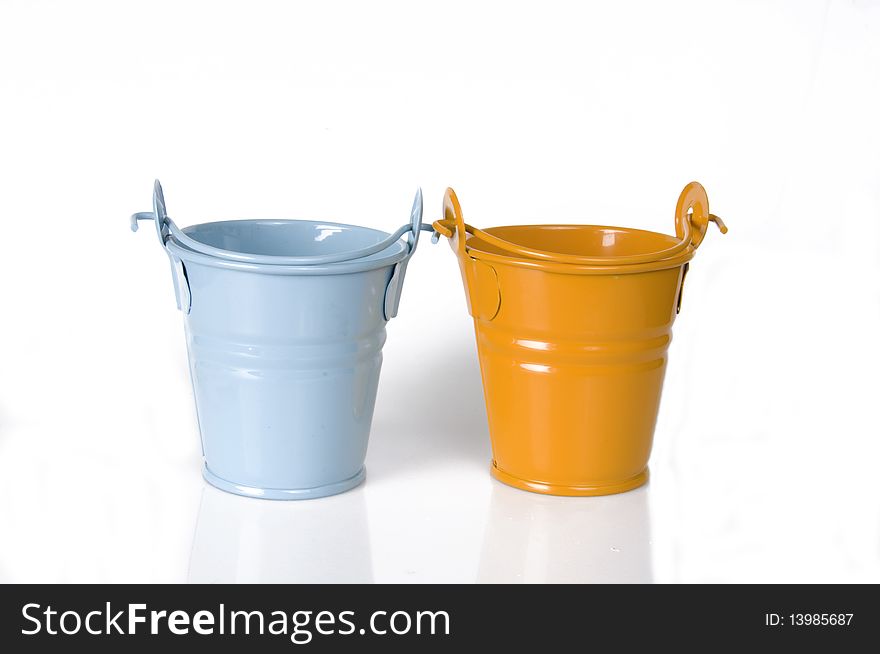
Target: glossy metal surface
573	346
285	357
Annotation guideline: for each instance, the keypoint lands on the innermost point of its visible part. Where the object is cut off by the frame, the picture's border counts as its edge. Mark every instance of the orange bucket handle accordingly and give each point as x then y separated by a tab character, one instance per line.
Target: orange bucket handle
692	215
692	219
452	225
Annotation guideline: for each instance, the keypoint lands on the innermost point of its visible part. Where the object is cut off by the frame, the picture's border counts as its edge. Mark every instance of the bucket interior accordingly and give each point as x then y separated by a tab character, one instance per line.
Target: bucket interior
583	240
290	237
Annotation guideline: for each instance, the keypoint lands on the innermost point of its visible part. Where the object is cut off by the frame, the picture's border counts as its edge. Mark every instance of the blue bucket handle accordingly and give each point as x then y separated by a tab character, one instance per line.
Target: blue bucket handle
178	271
165	228
395	284
159	214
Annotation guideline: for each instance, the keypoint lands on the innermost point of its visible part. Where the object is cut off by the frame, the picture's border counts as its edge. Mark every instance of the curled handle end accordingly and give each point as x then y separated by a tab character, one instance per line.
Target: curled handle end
692	215
452	224
442	228
141	215
159	214
715	219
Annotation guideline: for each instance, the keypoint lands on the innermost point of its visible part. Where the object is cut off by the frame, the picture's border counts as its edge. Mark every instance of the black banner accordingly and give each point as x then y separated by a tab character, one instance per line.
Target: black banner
432	618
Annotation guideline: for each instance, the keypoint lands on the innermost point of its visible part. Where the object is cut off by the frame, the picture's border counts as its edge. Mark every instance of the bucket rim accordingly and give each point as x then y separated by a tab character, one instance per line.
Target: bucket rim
394	253
611	268
618	228
380	234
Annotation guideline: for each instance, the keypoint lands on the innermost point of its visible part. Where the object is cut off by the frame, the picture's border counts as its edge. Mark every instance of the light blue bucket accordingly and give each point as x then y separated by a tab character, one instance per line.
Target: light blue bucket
285	323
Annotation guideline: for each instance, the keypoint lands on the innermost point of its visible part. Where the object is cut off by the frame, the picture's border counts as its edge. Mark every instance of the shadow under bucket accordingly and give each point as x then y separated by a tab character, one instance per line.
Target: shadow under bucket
285	323
573	323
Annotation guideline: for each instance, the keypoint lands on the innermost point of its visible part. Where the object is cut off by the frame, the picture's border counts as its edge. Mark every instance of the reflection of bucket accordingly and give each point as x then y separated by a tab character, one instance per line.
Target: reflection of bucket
237	541
538	539
573	323
285	323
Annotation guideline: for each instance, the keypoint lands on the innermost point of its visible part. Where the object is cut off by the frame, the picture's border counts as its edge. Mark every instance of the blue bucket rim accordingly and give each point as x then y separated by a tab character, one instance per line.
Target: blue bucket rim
394	253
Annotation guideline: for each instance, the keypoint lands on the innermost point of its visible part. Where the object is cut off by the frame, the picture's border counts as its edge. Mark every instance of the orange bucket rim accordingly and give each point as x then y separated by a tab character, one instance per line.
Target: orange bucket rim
478	252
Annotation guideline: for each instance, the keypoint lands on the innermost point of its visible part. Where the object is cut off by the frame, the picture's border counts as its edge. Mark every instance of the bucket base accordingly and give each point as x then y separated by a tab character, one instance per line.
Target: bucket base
572	491
284	493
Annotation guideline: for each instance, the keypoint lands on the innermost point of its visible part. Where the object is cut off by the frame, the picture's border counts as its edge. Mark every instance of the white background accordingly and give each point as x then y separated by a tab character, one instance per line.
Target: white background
766	450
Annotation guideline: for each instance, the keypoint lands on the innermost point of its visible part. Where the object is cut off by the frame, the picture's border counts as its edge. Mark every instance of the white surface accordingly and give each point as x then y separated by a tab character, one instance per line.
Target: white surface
766	450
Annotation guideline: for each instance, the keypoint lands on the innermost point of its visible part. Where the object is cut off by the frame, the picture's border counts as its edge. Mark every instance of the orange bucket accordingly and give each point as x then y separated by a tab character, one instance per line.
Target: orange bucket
573	323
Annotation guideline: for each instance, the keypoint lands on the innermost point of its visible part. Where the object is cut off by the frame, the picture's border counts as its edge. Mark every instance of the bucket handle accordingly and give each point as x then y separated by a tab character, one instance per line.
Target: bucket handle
395	285
158	214
692	218
692	215
178	270
166	227
480	279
